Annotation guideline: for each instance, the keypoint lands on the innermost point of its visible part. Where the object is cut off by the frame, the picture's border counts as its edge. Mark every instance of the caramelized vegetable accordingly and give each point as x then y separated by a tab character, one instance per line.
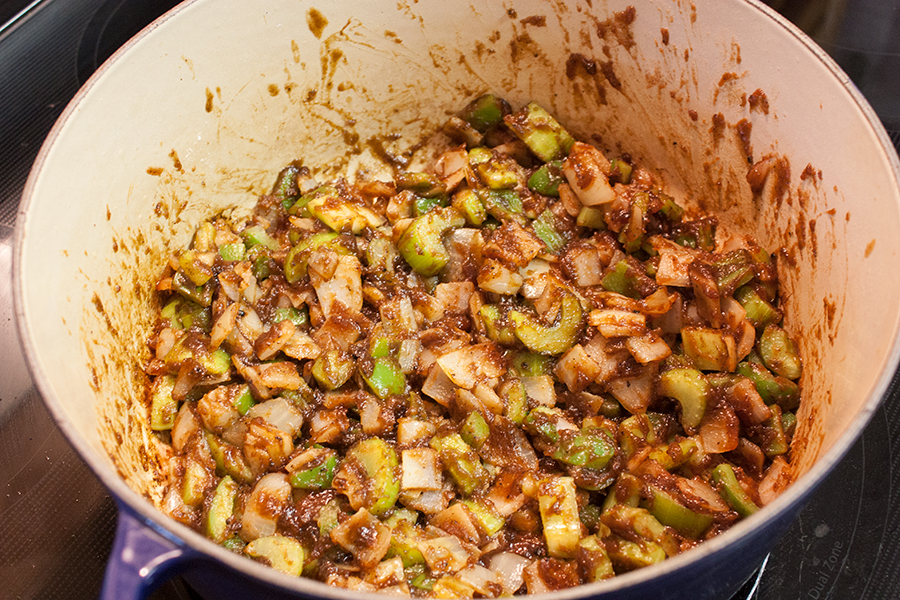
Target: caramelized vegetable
520	368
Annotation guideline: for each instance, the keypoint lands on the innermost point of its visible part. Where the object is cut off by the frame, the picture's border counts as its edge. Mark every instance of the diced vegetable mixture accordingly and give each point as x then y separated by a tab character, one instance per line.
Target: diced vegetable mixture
522	369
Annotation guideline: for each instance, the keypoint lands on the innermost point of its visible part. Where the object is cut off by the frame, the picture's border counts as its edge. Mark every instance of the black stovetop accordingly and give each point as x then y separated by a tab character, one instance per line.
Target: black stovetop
56	520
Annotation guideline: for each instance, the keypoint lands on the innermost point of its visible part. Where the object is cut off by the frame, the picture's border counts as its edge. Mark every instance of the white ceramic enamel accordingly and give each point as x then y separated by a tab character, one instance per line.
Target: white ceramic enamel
200	112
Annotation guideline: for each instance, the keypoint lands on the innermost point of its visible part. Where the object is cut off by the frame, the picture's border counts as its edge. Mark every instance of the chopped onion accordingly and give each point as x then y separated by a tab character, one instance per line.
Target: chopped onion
217	409
278	413
485	581
540	389
421	470
340	284
635	393
647	348
264	506
776	479
509	567
165	341
585	170
496	278
719	431
444	554
185	426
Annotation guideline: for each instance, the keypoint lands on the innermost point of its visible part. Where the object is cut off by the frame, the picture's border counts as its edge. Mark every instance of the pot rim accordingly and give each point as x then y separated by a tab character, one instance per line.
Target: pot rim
204	548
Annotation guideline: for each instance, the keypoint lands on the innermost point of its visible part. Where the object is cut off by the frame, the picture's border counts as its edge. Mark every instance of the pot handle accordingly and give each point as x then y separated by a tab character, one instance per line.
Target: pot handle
141	559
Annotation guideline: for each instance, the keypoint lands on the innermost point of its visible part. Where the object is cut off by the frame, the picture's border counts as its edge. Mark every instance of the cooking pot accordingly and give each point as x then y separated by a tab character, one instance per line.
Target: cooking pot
733	109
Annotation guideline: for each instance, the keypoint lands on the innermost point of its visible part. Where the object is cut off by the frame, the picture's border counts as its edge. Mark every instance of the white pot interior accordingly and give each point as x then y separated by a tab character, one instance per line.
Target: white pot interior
201	112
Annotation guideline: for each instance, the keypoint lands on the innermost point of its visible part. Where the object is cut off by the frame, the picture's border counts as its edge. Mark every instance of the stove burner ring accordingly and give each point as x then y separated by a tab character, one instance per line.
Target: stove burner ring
114	23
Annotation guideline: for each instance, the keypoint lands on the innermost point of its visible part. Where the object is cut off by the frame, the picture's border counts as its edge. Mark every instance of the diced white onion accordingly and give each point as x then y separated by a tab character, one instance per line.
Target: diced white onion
264	506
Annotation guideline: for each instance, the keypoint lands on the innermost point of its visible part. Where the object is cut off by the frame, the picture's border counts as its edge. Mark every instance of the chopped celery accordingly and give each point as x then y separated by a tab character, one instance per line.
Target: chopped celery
635	431
619	171
629	555
325	191
559	514
194	482
498	174
217	362
676	515
221	509
332	369
690	389
233	251
380	347
589	448
475	430
369	476
593	559
342	214
734	495
201	294
470	205
424	205
163	407
759	312
541	421
497	328
299	317
192	265
295	263
622	279
590	516
229	459
531	364
769	435
553	339
205	237
732	271
255	235
670	209
773	388
709	349
282	553
516	401
422	244
485	516
630	521
503	205
404	543
632	236
779	353
386	379
234	544
591	217
541	132
244	400
423	184
673	455
285	188
788	423
461	461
